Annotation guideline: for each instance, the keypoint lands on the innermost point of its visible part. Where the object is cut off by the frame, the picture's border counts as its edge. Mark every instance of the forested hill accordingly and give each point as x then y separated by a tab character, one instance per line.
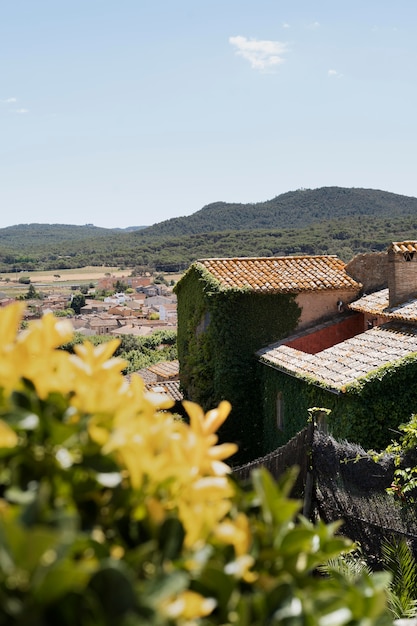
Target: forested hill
295	209
32	234
329	220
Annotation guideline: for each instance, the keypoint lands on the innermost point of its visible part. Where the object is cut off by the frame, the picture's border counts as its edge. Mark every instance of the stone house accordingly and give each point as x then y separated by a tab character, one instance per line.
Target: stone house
278	336
366	380
135	282
103	325
229	308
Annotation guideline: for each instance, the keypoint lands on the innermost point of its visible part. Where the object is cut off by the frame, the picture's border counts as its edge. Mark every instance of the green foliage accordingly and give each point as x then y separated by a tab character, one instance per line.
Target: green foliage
404	485
112	512
159	279
139	352
75	550
294	209
31	293
120	286
24	280
372	400
65	313
352	565
400	562
77	301
329	220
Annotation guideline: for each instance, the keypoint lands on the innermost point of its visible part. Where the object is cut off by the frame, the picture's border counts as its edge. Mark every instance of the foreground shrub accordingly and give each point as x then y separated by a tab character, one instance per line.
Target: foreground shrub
113	512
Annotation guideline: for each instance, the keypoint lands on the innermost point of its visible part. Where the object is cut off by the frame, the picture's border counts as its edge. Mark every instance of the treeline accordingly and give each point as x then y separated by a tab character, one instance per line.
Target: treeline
342	237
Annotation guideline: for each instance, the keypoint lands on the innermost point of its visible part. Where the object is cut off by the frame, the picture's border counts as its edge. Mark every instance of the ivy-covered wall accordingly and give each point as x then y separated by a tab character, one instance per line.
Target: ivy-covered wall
367	412
219	331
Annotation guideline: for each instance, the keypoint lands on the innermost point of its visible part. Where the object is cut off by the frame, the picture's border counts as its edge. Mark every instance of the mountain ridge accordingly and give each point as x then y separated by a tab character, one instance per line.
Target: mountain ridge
292	209
326	220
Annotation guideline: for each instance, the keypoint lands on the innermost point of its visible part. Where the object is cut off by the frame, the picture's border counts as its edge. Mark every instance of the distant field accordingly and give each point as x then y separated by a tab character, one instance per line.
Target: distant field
61	279
56	279
58	276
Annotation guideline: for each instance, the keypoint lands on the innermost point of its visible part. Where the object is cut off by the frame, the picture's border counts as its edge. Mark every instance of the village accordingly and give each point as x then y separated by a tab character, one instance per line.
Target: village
143	307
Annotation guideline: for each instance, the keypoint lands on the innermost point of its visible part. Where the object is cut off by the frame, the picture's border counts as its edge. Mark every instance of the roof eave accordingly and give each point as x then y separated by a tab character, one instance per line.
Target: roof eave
338	391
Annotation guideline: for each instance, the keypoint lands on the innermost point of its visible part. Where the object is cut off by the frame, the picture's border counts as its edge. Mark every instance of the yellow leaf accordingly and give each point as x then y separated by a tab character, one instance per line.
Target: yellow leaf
8	438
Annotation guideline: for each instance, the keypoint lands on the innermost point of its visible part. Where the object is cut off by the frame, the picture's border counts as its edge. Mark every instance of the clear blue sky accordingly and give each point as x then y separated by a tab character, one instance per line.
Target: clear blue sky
129	112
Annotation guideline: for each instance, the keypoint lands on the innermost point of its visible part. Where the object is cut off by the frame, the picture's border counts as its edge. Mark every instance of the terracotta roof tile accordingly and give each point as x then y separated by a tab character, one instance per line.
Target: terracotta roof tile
170	388
165	369
403	246
348	361
281	274
377	304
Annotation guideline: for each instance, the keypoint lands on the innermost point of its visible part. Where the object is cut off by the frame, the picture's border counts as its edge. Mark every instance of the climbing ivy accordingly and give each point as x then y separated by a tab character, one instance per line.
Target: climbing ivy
219	331
367	412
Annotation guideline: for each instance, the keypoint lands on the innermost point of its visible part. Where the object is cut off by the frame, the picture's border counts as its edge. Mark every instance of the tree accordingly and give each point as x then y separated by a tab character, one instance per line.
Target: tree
77	301
32	294
120	286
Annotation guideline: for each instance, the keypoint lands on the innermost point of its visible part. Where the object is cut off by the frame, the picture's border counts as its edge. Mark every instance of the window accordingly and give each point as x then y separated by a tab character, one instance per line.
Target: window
203	324
280	411
408	256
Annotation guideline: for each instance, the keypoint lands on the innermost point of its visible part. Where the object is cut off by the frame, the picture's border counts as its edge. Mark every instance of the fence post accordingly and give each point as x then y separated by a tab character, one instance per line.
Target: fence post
309	481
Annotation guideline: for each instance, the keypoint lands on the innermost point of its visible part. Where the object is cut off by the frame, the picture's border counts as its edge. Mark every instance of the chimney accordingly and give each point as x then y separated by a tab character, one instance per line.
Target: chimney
402	272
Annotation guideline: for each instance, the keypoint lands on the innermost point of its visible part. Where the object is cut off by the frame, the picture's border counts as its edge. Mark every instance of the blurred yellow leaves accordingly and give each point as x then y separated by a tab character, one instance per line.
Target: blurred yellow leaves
172	466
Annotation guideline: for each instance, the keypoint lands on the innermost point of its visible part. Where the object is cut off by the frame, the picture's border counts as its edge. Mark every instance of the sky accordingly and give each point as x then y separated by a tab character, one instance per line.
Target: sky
125	113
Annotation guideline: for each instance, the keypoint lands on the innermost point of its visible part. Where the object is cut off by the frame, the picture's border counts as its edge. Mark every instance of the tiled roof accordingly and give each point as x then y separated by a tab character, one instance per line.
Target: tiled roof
165	369
377	304
403	246
147	376
170	388
289	274
348	361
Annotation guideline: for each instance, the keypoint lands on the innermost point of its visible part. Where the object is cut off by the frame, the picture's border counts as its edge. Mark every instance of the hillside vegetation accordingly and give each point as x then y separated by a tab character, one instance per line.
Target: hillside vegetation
329	220
295	209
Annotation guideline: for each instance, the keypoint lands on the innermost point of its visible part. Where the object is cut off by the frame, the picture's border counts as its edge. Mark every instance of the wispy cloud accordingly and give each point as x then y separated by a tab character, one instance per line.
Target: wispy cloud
285	25
9	100
262	54
334	74
313	25
22	110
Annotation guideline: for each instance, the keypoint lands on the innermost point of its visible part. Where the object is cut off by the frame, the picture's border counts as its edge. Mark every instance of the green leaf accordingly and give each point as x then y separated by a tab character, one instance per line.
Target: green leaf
171	538
276	507
61	578
114	586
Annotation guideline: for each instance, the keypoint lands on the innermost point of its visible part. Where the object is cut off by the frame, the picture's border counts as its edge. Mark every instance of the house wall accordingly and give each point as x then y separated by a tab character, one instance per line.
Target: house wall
218	333
318	306
369	269
402	277
329	335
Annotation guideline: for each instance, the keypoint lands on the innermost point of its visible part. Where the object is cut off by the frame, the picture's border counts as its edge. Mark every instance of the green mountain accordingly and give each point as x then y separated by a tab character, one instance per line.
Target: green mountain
295	209
33	234
329	220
